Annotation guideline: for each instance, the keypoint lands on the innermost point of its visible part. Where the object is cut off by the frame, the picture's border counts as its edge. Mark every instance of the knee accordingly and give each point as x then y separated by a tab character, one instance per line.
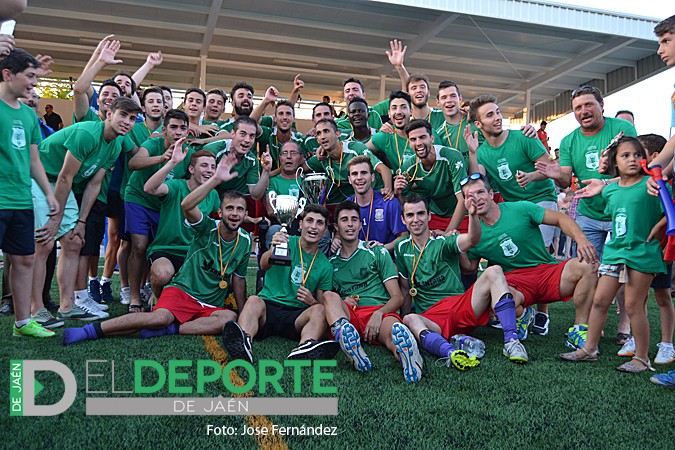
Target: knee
162	273
317	312
22	262
331	298
254	305
409	320
493	273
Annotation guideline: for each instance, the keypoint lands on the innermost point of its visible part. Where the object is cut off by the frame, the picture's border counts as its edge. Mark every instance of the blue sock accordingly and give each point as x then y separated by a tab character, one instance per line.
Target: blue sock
505	310
87	332
146	333
435	344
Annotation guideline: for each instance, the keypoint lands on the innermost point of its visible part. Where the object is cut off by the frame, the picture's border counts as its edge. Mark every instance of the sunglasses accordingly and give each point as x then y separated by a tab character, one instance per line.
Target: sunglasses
585	90
472	177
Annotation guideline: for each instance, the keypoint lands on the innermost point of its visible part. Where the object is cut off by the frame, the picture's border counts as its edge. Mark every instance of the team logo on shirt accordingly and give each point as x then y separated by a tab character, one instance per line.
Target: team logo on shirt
296	275
91	169
620	224
363	271
18	136
379	214
294	191
592	159
509	248
504	170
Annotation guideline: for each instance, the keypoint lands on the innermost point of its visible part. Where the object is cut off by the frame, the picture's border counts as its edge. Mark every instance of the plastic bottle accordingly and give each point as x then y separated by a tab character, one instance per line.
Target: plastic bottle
471	345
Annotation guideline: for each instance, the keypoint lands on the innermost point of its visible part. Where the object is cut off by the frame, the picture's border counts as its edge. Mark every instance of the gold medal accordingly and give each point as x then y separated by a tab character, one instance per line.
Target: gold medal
222	284
413	292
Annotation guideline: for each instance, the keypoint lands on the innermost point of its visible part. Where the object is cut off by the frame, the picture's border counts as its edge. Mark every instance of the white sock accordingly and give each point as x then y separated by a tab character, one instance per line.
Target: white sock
20	323
126	290
93	278
667	344
81	295
105	280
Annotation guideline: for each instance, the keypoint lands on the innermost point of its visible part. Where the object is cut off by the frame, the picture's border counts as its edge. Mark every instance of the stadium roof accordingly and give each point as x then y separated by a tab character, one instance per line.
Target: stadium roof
525	52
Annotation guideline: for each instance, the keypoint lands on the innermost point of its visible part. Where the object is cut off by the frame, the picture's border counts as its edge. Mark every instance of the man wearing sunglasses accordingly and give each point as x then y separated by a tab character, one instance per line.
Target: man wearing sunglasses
510	238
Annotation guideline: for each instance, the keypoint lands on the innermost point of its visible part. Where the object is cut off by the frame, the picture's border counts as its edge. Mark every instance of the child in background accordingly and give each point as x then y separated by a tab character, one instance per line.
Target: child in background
632	256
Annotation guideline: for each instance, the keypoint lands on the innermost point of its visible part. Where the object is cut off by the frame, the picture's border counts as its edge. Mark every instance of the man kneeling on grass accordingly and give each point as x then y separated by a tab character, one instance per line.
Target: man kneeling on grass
368	281
193	302
291	303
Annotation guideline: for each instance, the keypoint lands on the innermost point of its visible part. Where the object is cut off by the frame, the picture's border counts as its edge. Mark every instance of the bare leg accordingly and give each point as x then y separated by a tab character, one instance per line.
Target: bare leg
131	323
636	301
604	293
579	279
252	317
113	247
624	322
122	262
136	266
21	277
208	325
39	275
67	269
311	323
161	272
666	312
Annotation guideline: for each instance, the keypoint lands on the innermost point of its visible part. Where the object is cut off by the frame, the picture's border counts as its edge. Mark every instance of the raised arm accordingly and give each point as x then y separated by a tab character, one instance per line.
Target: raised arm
223	173
396	56
82	90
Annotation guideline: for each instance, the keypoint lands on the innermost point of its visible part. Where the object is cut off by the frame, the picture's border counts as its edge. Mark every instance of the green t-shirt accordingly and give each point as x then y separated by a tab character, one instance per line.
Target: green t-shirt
20	130
381	108
342	190
284	186
311	145
282	282
441	184
449	135
582	154
223	125
436	119
173	236
200	274
134	191
364	274
501	164
392	149
514	241
634	213
437	275
86	142
269	138
374	121
248	169
138	134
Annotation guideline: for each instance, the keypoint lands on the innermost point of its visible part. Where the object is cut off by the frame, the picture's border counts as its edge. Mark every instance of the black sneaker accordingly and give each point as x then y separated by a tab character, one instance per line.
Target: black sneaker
540	325
313	349
106	293
50	305
237	342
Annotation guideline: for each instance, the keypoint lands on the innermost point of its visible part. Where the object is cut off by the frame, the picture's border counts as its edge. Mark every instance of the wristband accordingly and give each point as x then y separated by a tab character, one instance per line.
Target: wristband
81	221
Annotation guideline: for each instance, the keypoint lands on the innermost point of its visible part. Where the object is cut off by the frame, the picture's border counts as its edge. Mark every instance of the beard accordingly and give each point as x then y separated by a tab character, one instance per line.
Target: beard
243	111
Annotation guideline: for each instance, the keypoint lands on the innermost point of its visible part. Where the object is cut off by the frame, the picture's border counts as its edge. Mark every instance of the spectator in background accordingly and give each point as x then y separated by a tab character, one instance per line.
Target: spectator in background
625	115
543	136
52	119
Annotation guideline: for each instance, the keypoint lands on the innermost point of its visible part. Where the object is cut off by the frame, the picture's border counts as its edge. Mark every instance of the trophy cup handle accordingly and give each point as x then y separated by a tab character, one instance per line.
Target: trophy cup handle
301	206
273	200
298	180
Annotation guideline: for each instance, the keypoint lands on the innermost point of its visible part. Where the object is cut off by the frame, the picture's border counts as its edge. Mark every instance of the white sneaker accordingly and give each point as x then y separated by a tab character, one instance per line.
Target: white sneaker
101	306
666	353
91	307
146	292
125	296
628	348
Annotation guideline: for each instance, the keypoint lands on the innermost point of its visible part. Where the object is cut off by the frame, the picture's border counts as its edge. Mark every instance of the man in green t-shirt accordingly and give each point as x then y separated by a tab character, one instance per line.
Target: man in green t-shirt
81	153
367	280
434	172
169	248
19	139
320	111
510	238
580	153
394	148
450	132
216	99
291	303
430	281
357	113
272	139
351	88
193	304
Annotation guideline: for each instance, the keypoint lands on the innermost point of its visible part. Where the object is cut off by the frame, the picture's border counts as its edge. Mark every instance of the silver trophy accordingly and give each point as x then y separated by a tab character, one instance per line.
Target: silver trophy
286	208
315	187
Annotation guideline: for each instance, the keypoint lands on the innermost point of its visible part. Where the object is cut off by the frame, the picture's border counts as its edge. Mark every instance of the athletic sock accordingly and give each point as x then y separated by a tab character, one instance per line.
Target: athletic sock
505	310
92	279
105	280
336	326
20	323
146	333
81	294
435	344
87	332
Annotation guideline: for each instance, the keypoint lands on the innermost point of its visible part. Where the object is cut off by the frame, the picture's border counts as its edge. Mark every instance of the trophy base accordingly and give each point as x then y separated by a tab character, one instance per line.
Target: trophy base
280	256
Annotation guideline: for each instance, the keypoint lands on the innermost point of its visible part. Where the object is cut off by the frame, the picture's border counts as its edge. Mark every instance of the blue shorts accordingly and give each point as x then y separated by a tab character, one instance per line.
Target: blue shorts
17	235
140	220
663	280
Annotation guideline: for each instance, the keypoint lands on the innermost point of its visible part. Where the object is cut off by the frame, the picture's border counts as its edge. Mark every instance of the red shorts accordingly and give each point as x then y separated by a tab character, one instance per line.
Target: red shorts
360	316
183	306
455	315
441	223
498	198
254	208
539	284
669	249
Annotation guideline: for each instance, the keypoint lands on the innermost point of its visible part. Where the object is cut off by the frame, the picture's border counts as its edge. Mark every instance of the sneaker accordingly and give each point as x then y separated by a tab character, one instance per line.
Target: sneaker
76	314
91	307
95	293
524	322
495	323
515	351
106	293
350	343
664	379
125	296
313	349
45	318
460	360
50	305
540	325
32	329
665	355
237	342
576	336
409	355
628	348
7	309
146	292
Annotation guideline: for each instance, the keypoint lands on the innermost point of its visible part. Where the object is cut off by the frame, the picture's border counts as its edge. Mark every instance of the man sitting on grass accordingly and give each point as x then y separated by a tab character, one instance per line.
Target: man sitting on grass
193	302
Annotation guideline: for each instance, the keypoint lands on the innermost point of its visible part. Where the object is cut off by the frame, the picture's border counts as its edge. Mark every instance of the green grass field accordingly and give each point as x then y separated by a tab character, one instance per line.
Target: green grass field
544	404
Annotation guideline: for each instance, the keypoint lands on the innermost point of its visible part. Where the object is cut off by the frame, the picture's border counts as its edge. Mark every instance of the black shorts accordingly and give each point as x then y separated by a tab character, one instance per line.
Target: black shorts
663	280
176	261
115	207
280	321
17	231
94	229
